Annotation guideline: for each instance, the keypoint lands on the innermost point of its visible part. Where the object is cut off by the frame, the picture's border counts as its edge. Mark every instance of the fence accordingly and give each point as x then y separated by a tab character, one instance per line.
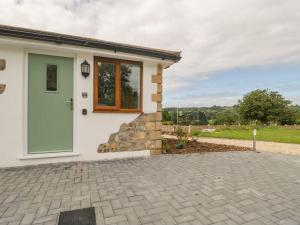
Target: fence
172	128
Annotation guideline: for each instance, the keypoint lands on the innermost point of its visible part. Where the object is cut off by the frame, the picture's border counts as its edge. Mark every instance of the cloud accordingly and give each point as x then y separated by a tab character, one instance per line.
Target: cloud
194	98
295	100
202	101
213	35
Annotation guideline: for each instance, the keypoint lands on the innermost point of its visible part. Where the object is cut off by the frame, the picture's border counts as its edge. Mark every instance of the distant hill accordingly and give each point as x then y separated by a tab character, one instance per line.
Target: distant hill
215	115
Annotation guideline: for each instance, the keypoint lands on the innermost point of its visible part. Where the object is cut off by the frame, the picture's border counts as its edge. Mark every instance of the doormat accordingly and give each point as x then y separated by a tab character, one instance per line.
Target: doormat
78	217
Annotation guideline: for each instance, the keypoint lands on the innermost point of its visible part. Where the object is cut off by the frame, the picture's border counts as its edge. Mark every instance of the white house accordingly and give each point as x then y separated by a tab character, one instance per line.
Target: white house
69	98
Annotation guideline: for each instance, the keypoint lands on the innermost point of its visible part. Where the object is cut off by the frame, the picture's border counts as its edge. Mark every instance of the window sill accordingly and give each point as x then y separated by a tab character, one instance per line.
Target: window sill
117	111
49	155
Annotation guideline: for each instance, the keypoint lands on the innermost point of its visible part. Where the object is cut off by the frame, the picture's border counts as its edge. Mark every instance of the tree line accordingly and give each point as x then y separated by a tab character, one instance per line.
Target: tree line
257	107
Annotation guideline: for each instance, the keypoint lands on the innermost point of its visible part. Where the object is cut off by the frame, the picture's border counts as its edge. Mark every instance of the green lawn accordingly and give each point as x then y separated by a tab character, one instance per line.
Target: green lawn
276	134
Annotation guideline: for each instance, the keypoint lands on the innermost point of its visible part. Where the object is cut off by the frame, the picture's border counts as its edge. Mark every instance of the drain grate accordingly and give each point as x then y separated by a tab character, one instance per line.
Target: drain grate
78	217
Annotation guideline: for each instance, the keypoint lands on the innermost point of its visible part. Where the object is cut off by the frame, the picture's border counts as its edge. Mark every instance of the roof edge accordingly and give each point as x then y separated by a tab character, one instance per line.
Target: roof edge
38	35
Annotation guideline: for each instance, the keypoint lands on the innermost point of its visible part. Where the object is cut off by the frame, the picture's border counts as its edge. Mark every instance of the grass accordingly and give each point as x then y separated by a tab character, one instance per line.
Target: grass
275	134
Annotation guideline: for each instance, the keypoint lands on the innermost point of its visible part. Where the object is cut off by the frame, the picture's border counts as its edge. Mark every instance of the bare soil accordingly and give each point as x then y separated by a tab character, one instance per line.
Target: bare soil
169	147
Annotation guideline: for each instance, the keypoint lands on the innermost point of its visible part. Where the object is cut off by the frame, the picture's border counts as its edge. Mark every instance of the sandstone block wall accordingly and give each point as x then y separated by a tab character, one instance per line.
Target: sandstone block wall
144	133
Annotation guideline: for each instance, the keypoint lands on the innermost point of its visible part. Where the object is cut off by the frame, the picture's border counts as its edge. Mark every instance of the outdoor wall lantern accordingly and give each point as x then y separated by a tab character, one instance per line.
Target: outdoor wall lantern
85	69
2	64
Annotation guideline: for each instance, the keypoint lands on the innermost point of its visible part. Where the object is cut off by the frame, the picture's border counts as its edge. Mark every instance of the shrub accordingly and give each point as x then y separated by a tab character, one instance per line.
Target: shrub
180	145
168	123
182	138
181	134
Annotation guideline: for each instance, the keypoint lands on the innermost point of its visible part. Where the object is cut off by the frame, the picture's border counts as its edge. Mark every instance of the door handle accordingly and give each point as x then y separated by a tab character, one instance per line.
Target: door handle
71	103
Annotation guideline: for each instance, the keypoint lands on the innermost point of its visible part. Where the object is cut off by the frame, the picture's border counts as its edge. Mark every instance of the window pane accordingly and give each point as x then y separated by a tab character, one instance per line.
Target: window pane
106	84
130	86
51	78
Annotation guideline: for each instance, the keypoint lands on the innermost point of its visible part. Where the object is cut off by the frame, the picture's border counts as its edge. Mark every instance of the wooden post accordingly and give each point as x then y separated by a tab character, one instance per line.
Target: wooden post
254	140
177	118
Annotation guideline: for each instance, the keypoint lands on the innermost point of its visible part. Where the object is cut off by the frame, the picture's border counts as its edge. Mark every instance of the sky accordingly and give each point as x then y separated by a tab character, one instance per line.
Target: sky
229	47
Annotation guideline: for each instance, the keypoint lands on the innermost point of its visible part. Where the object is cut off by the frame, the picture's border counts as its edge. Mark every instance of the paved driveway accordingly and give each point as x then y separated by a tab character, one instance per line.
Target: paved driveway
212	188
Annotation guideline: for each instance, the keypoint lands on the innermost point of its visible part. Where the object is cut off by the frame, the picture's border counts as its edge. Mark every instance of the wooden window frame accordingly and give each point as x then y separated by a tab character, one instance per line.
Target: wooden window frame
117	107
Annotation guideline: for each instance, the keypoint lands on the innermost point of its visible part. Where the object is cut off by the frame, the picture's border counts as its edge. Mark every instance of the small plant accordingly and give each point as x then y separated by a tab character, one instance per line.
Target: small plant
170	123
182	138
165	146
181	134
180	145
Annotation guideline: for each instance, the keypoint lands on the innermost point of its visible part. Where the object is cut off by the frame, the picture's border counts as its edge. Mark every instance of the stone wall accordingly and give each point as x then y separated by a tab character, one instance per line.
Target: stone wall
144	133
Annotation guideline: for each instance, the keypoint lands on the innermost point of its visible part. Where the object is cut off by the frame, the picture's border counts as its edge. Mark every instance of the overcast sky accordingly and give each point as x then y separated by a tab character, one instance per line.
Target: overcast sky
228	47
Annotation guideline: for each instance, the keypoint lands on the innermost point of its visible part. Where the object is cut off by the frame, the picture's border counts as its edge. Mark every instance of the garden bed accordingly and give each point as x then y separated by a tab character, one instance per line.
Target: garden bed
169	147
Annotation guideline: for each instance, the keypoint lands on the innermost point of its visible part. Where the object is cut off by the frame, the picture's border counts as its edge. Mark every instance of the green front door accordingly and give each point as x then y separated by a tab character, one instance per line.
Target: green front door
50	102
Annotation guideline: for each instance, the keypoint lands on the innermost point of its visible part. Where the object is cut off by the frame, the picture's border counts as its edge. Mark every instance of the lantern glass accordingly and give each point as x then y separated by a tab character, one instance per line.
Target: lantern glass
85	69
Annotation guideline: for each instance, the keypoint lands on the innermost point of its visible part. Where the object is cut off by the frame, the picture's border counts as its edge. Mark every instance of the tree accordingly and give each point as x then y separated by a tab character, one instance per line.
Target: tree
264	106
199	118
166	116
228	117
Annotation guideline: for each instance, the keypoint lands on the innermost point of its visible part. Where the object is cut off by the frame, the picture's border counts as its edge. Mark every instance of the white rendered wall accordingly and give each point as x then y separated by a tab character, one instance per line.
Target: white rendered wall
89	130
11	106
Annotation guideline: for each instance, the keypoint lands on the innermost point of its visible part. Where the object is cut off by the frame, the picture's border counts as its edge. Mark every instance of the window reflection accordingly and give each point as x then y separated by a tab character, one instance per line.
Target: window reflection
106	84
130	86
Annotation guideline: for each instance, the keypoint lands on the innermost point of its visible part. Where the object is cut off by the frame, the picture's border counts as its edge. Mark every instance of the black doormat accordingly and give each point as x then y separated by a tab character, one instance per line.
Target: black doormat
78	217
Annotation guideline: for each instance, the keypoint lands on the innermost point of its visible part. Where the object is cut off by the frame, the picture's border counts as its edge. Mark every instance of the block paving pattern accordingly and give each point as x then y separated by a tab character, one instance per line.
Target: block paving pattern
213	188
